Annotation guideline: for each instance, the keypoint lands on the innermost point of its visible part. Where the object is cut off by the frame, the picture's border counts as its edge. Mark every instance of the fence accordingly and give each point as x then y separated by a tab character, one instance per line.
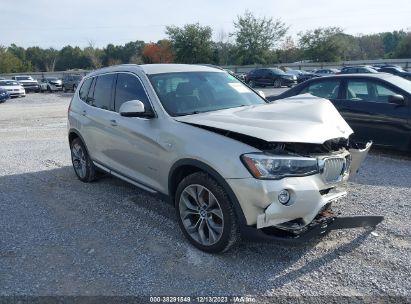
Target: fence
404	63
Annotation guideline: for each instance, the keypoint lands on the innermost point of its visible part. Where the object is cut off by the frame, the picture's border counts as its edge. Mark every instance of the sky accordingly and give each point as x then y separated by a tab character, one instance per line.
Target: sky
47	23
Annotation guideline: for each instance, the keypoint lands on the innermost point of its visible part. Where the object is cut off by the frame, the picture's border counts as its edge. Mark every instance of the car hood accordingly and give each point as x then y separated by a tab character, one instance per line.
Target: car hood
12	87
303	119
28	81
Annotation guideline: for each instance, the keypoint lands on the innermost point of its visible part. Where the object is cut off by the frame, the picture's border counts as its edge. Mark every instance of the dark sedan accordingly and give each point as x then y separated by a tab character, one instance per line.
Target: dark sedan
361	69
304	76
376	106
4	95
396	71
270	77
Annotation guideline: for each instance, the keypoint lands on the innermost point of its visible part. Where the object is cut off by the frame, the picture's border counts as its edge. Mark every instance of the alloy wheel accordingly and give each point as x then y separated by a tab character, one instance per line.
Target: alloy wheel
201	214
79	160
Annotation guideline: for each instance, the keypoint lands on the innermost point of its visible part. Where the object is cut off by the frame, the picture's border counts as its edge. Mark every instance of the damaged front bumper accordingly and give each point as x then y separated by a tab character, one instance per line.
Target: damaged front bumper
325	222
309	209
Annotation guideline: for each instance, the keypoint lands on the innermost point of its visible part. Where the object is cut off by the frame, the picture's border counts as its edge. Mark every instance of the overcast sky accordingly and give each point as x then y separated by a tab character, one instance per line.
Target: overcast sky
49	23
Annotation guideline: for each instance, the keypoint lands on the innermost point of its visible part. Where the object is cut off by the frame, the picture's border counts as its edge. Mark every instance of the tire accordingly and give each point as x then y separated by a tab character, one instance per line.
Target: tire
217	213
277	83
74	88
252	83
64	89
49	89
82	164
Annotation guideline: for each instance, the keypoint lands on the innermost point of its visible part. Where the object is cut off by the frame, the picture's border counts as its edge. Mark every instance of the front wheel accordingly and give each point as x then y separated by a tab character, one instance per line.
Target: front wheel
205	213
252	83
277	83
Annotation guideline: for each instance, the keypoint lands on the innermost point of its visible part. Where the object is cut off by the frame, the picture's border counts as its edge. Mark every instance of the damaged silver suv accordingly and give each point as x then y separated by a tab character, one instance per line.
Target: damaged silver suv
233	164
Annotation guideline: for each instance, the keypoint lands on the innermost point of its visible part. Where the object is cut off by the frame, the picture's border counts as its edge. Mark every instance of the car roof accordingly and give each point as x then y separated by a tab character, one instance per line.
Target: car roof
158	68
173	68
359	75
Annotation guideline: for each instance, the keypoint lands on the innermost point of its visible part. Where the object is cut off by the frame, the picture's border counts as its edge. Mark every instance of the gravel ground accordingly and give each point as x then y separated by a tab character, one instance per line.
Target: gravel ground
59	236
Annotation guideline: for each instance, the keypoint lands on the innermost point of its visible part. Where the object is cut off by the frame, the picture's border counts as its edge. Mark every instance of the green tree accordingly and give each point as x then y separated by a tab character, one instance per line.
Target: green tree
255	37
10	63
323	44
72	58
391	40
191	43
403	49
371	46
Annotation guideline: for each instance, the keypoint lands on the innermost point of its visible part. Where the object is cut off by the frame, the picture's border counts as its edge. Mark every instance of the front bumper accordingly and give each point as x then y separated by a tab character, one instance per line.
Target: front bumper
31	88
309	195
288	81
17	93
260	205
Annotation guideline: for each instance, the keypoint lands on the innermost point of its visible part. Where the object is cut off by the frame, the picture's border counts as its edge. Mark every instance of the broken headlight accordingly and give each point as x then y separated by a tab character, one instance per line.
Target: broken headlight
264	166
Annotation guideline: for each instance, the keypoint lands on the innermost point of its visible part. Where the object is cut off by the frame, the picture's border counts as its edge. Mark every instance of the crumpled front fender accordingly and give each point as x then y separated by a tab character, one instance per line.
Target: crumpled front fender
357	157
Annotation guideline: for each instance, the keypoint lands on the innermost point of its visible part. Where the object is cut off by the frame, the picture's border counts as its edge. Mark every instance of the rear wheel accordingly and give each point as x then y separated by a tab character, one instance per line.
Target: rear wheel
82	164
205	213
252	83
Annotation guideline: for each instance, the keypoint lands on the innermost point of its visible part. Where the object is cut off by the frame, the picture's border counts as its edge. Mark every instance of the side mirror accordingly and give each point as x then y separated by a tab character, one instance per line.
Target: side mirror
261	93
397	99
134	108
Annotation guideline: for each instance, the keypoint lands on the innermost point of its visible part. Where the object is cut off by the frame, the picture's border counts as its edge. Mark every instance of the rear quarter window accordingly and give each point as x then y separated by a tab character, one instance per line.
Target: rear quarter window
85	87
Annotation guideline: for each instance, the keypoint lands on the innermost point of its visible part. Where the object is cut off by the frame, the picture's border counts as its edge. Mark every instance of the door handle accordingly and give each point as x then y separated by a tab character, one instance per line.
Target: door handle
84	113
113	122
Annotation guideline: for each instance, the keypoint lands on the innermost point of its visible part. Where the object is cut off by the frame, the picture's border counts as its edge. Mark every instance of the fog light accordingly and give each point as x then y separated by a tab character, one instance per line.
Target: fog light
284	197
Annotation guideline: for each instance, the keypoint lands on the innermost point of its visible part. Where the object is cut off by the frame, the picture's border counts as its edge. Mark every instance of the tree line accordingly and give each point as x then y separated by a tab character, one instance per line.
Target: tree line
253	41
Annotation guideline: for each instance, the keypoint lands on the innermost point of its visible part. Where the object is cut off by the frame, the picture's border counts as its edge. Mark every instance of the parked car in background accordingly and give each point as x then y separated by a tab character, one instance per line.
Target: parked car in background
4	95
162	127
358	69
376	106
70	82
270	77
50	84
14	88
326	72
395	70
304	76
241	76
29	83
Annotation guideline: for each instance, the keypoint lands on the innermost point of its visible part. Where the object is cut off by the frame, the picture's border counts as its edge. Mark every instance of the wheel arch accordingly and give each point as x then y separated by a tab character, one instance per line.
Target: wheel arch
73	134
187	166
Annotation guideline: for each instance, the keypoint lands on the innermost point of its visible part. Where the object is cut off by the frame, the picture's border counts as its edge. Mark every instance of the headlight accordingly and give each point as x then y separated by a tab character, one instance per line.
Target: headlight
264	166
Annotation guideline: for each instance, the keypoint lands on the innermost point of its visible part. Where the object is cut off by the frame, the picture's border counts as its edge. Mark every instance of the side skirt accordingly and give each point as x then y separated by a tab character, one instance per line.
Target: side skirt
125	178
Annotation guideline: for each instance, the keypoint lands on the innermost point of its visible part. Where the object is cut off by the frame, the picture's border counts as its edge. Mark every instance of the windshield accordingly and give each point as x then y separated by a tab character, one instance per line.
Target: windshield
23	78
185	93
8	83
401	83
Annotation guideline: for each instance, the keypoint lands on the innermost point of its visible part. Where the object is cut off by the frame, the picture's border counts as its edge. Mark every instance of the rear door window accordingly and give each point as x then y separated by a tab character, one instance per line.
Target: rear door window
103	92
325	89
368	90
128	88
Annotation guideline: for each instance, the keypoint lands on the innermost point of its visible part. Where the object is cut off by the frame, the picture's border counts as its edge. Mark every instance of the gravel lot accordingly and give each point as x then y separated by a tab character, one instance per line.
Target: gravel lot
59	236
